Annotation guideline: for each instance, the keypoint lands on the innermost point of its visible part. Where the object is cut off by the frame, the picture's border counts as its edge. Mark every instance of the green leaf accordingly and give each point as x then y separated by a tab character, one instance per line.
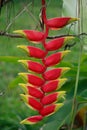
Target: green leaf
84	58
84	93
9	58
81	99
82	86
15	59
51	126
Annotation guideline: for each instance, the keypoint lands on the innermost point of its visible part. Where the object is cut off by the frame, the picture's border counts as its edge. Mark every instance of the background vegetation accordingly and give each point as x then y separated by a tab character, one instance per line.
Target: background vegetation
25	15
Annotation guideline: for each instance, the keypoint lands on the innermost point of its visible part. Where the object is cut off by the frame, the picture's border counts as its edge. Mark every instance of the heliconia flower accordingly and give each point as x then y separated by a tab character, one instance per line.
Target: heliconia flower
59	22
57	43
33	66
32	119
32	102
55	58
31	35
33	51
53	85
43	81
50	109
55	73
32	90
53	97
32	79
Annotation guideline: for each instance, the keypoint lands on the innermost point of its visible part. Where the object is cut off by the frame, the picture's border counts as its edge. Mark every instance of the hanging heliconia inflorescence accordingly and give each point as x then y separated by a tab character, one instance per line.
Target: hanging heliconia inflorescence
42	84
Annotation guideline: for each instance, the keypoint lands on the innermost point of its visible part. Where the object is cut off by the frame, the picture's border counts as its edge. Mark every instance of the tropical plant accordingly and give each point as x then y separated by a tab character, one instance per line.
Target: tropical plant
46	64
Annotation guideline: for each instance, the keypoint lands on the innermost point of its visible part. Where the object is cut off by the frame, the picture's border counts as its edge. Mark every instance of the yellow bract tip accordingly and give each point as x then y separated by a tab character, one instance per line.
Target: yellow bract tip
69	38
62	81
58	106
24	97
24	62
61	94
65	52
73	19
23	75
23	47
23	86
25	121
65	69
21	32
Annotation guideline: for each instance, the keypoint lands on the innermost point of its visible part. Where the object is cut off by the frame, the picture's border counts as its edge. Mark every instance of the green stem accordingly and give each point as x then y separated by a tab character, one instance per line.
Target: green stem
74	106
80	29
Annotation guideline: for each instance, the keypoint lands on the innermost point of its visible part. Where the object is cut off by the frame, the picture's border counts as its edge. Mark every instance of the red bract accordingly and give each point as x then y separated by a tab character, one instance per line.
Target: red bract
31	35
57	43
53	85
33	51
32	119
53	97
48	110
42	83
32	79
59	22
55	58
32	90
32	102
35	92
55	73
33	66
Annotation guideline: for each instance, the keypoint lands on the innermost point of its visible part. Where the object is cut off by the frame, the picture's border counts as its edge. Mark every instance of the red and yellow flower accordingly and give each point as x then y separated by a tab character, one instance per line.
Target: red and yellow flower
43	80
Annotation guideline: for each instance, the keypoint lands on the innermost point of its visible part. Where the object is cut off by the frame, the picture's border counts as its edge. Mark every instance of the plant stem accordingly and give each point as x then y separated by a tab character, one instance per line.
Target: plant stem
74	106
80	29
